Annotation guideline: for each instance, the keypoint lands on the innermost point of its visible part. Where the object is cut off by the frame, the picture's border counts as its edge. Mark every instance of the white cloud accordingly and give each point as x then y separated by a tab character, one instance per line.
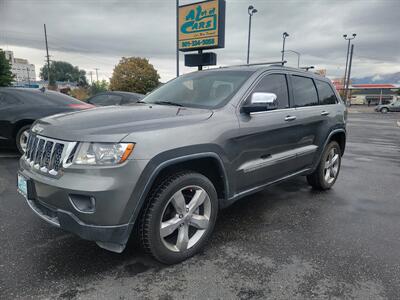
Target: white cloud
96	34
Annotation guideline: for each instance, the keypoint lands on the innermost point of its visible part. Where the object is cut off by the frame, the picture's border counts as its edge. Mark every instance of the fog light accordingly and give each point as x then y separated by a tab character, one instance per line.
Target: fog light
83	203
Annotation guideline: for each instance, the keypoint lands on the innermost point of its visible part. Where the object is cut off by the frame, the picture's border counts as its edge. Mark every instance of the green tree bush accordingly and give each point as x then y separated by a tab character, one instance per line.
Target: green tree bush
64	71
134	74
6	77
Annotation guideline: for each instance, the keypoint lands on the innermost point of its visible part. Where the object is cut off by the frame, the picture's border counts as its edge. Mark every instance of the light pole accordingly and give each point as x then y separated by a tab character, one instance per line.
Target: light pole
298	56
347	58
251	11
284	36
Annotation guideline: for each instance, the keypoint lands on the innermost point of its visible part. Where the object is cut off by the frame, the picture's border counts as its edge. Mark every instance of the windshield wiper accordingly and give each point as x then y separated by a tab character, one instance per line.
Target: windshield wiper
167	103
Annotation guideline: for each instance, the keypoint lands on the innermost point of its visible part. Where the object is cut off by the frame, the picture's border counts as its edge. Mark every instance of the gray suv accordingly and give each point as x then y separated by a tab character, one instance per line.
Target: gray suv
164	167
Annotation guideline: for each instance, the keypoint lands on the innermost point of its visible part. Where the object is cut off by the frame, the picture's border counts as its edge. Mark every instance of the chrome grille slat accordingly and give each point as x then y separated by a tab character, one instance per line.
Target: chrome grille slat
47	155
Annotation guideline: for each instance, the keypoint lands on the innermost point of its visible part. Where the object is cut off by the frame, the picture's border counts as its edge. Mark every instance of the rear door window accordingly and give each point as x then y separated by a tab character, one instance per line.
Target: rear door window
325	92
277	84
304	91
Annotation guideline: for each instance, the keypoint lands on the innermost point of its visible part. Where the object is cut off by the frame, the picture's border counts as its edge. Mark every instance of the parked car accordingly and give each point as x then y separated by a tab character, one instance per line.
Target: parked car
385	108
167	165
114	98
20	107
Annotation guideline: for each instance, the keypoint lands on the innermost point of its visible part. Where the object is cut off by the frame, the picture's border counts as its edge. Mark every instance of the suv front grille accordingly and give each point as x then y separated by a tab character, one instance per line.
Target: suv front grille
47	155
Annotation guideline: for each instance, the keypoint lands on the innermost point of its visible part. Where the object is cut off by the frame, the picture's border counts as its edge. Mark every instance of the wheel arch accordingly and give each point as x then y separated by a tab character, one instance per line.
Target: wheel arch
338	136
206	163
21	123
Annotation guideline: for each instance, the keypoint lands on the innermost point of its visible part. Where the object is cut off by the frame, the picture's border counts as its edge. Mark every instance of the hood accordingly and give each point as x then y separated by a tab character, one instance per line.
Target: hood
113	123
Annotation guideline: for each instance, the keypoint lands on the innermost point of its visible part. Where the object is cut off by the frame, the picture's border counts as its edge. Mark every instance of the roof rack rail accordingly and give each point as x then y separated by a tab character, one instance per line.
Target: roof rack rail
281	63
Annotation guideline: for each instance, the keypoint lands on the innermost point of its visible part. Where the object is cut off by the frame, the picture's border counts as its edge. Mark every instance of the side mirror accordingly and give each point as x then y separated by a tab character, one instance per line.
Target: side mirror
261	102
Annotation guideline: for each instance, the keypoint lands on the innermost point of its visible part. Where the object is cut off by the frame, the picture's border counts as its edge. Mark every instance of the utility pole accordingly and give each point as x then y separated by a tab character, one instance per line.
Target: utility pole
29	80
47	54
97	74
347	58
349	74
91	80
177	38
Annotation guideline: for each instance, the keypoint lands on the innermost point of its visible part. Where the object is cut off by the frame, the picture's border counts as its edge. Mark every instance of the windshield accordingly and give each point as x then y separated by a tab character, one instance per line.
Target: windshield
205	89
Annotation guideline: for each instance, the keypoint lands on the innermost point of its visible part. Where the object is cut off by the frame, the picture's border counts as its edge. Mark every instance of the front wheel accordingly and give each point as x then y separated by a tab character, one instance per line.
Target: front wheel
21	138
179	218
324	177
384	110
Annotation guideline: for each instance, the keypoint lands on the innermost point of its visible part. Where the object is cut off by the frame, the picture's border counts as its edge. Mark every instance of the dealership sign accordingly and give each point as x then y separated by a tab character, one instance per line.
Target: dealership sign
201	25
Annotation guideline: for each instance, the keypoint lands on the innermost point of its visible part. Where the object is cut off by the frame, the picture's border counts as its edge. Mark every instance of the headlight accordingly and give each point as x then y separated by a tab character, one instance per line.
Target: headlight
102	153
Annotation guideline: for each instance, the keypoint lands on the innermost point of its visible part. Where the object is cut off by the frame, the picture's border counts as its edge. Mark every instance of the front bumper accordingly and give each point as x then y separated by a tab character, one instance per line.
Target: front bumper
110	187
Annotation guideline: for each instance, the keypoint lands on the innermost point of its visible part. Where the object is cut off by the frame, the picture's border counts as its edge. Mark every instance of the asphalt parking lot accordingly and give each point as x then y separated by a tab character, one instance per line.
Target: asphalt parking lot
288	242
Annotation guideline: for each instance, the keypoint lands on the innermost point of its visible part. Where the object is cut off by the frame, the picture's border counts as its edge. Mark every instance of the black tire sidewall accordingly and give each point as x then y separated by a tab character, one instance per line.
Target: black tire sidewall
321	166
158	249
18	135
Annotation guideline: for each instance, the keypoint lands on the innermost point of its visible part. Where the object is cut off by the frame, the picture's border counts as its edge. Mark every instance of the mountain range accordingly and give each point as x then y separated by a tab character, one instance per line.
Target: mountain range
378	78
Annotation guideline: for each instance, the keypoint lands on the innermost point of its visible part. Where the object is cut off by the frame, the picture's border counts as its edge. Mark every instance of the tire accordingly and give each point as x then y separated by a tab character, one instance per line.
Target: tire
384	110
21	138
319	179
171	205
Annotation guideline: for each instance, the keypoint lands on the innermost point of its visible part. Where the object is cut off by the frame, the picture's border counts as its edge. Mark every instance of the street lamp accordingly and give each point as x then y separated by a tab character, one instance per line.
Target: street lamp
298	56
284	36
251	11
345	79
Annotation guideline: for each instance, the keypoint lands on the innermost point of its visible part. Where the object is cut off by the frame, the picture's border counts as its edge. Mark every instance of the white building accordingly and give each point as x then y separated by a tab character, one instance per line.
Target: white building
21	68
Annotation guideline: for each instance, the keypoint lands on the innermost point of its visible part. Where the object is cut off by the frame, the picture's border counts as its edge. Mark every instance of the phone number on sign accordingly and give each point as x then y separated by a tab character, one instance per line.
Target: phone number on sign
198	43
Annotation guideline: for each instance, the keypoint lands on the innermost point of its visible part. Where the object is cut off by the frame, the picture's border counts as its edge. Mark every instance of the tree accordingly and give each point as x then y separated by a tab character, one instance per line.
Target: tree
64	71
98	87
134	74
6	77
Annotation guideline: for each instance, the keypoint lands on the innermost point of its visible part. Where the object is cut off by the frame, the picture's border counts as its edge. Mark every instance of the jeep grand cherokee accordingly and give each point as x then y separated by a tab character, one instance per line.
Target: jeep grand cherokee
167	165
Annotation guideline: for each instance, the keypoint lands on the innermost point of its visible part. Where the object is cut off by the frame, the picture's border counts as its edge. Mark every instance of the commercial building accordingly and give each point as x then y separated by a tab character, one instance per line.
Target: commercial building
373	94
21	68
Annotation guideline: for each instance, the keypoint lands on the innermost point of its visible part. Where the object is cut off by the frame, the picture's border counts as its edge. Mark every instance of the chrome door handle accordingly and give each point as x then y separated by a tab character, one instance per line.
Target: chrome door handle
324	113
290	118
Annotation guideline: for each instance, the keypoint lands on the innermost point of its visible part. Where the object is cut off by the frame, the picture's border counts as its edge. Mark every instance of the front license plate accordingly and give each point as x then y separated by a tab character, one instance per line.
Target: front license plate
22	185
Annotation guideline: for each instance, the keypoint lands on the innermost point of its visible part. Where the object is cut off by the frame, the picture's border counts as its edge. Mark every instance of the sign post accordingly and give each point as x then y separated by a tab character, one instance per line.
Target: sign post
201	26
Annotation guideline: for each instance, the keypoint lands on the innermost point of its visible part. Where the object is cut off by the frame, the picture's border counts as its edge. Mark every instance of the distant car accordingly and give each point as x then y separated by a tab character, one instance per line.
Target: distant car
114	98
20	107
384	108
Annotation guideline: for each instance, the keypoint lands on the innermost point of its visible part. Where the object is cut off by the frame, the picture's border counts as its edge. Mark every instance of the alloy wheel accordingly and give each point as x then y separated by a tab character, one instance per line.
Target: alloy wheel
23	139
331	167
185	218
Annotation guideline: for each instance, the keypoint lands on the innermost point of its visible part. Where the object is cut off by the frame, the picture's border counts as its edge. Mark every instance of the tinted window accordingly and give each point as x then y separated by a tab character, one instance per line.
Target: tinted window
205	89
106	99
277	84
44	98
304	91
325	92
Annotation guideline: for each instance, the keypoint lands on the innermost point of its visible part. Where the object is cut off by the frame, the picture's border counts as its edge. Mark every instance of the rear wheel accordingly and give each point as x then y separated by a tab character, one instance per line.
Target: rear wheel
384	110
325	175
21	138
179	218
